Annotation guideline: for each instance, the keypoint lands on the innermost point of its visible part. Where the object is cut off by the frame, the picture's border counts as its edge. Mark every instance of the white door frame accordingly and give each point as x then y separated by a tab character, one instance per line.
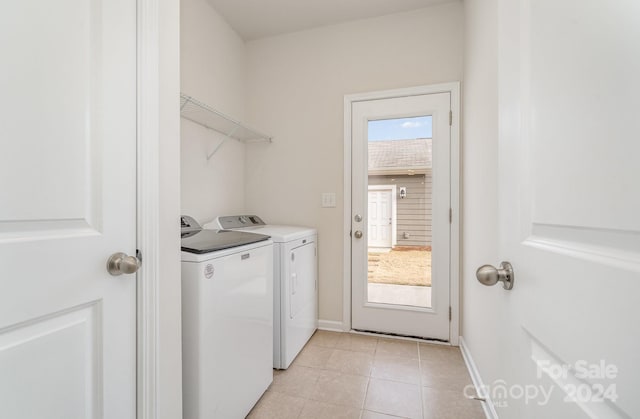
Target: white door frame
148	203
394	208
452	88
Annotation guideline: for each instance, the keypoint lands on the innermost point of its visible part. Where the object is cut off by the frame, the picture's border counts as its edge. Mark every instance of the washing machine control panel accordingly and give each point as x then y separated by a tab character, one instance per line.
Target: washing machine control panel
188	224
239	221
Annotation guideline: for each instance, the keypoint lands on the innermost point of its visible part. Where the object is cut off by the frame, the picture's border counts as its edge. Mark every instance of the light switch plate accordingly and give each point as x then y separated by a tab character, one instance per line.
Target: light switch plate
328	200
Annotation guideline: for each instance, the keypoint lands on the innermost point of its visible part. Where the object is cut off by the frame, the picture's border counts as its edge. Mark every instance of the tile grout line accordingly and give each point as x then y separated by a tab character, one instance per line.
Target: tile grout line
335	347
422	407
308	399
324	368
364	400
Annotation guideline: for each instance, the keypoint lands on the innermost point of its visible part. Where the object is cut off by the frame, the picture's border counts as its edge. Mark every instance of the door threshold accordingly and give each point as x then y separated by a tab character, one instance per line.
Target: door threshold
401	337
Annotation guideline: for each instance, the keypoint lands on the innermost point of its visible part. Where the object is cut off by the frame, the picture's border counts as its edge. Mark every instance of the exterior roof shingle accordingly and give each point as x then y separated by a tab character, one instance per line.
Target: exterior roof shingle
401	155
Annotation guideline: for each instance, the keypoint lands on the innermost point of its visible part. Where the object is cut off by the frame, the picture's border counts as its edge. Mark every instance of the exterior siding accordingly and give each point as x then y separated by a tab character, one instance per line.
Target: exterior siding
414	211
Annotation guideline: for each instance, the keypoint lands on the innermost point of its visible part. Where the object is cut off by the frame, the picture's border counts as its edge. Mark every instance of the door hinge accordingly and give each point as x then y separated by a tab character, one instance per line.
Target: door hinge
450	215
449	313
450	118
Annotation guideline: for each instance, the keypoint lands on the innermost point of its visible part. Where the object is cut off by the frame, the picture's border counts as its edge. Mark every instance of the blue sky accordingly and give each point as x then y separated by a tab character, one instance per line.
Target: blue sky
400	129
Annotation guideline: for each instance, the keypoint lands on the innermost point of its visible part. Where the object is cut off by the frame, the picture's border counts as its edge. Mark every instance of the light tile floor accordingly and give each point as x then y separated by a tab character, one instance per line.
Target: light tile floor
352	376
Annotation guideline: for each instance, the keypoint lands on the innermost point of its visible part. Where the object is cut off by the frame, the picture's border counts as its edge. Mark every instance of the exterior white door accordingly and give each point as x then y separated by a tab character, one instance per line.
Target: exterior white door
67	202
569	207
430	319
380	218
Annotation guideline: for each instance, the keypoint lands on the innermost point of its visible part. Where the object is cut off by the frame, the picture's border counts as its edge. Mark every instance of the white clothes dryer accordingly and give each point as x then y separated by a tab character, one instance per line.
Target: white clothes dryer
295	284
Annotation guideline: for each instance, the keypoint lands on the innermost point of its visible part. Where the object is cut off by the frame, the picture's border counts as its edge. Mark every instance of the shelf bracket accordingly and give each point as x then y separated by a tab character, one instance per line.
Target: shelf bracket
224	140
186	100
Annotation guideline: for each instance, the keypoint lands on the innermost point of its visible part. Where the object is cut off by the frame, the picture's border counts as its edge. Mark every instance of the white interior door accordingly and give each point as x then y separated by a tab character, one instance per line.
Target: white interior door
421	311
380	218
569	206
67	202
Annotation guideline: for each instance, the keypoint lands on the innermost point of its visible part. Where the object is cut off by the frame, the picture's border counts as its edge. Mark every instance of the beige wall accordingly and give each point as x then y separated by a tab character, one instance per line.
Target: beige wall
295	90
213	71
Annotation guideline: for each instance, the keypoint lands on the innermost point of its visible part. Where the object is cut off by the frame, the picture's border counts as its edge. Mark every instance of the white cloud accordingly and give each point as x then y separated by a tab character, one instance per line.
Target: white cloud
409	124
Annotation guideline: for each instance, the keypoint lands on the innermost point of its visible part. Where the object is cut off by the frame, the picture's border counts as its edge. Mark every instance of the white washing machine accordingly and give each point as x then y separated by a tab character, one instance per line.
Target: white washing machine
227	321
295	288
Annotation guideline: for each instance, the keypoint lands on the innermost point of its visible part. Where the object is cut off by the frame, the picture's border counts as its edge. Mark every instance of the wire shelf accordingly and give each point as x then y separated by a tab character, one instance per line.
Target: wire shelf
200	113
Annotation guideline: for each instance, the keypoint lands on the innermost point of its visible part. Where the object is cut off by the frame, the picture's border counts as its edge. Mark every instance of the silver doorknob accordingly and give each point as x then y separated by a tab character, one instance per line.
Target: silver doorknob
119	263
358	234
489	275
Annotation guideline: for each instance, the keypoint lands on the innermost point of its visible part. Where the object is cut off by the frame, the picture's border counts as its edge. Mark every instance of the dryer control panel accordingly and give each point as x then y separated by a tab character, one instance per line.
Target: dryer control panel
239	221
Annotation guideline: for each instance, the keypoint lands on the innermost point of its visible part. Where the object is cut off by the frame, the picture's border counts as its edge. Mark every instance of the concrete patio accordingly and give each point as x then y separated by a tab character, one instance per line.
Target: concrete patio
406	295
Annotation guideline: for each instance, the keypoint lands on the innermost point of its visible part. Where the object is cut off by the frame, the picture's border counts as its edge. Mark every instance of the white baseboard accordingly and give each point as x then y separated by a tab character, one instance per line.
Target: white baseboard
487	405
330	325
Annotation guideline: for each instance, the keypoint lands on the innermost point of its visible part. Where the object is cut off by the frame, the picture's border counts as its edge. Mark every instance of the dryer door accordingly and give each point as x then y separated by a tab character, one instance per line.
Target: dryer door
300	319
302	279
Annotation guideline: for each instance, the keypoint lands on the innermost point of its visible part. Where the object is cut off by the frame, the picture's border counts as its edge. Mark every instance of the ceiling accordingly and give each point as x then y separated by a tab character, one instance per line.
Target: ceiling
254	19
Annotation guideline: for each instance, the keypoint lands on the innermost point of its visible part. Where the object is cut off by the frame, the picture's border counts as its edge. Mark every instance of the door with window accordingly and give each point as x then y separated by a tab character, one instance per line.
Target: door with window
400	284
67	202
